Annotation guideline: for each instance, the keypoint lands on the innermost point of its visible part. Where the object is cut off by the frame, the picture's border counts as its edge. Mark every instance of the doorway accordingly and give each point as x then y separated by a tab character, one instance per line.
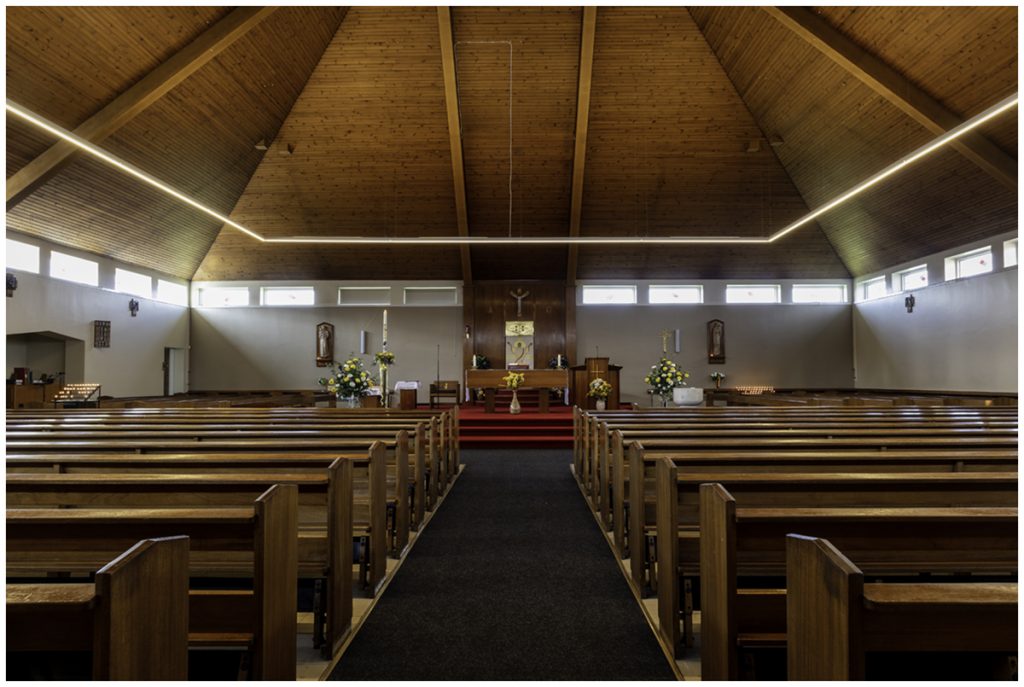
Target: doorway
174	371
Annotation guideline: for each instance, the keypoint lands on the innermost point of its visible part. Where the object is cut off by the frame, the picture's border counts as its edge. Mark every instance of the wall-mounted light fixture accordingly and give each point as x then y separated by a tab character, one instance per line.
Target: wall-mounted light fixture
362	341
133	307
12	285
468	333
909	302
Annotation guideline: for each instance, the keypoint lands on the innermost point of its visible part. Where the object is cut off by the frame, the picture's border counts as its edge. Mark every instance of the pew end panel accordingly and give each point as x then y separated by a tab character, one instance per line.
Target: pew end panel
824	584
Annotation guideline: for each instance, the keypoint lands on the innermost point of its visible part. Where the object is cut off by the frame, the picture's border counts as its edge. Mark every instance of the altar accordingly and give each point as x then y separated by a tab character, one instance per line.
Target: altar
491	380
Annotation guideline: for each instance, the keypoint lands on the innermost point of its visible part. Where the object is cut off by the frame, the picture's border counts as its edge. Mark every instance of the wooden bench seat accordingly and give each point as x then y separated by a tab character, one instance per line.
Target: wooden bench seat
834	619
133	618
81	540
736	542
680	498
326	512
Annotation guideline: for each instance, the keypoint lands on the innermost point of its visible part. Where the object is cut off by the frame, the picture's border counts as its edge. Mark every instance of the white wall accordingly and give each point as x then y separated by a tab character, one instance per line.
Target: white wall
274	348
132	366
962	336
783	345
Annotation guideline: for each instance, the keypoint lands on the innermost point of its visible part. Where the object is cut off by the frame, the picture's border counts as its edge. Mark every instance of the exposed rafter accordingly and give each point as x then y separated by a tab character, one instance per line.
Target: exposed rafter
582	120
891	85
451	100
144	93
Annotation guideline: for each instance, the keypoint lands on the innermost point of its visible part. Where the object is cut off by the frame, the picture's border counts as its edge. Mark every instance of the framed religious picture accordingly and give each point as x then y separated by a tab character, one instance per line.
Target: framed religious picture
716	342
324	344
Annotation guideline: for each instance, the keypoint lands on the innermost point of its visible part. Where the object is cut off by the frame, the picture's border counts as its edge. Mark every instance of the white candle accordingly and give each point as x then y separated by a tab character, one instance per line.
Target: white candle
385	342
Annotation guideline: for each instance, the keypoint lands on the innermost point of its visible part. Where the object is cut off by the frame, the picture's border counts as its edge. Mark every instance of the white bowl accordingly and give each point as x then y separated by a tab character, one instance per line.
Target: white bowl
688	396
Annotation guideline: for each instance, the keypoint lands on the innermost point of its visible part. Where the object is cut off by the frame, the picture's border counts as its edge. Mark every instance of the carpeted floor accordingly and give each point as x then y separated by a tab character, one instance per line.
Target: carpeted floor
512	580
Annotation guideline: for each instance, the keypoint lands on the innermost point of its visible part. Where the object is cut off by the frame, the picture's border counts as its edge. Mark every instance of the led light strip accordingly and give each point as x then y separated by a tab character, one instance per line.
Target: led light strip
951	135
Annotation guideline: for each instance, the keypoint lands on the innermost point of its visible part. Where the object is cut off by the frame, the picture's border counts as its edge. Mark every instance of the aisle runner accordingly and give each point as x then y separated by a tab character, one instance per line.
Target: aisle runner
511	581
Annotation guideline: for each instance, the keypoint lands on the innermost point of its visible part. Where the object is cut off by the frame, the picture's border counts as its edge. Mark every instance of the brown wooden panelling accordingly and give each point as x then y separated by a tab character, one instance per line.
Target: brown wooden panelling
199	138
371	157
667	154
836	132
66	63
492	305
677	98
544	65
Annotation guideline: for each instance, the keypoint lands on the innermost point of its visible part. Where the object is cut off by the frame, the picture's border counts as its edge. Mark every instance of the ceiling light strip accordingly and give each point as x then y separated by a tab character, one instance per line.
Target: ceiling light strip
126	167
944	139
951	135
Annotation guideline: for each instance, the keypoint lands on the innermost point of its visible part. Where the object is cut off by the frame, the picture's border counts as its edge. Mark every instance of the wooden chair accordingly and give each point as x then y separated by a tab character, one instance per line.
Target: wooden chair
445	389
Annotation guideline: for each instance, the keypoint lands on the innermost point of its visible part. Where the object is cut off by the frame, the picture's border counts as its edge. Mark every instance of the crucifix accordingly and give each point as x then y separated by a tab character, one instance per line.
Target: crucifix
519	295
664	340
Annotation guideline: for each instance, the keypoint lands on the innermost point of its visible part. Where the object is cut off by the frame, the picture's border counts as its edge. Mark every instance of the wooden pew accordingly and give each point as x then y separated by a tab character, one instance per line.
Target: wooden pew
445	443
325	517
394	447
886	541
133	618
834	618
368	517
923	454
678	510
595	444
258	541
428	461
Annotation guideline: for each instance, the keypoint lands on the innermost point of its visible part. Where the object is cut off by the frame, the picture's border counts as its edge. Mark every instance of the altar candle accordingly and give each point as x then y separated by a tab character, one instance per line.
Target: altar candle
385	342
559	360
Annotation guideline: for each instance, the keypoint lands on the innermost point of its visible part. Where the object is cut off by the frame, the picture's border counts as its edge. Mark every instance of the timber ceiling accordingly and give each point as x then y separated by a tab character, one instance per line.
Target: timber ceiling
683	104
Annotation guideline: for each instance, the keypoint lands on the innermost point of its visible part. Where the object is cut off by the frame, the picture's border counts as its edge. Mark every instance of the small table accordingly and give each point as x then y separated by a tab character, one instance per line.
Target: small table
407	399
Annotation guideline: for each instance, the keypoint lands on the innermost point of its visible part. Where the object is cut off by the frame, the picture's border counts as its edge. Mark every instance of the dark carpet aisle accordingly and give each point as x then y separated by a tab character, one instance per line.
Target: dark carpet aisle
512	580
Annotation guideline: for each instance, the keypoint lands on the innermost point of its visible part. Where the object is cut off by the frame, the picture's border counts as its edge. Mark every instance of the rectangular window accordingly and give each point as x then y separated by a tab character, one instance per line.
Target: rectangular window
431	295
74	269
675	294
873	288
819	293
1010	253
22	256
364	295
133	283
288	295
169	292
914	278
609	295
969	264
752	293
223	296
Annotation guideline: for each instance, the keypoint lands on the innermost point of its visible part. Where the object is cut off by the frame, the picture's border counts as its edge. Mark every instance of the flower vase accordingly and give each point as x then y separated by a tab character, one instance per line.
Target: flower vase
514	408
350	402
600	404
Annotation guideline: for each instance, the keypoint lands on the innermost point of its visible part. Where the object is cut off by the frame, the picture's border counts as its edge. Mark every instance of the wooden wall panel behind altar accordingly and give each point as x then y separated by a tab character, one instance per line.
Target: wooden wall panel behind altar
488	305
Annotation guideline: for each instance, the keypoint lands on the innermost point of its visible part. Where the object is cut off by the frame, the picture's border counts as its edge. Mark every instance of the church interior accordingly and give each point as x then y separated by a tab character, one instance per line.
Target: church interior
534	343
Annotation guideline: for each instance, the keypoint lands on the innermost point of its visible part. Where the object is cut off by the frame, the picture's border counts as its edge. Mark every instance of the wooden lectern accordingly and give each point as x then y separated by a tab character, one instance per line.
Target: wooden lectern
583	375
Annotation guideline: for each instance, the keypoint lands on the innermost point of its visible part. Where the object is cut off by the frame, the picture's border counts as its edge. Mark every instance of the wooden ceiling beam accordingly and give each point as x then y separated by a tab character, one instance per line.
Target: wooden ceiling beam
894	87
582	122
144	93
451	101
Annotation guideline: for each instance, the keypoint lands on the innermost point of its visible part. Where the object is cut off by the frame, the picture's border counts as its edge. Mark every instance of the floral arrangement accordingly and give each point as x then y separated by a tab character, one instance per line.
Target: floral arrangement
599	389
384	358
513	380
665	376
480	362
718	376
350	380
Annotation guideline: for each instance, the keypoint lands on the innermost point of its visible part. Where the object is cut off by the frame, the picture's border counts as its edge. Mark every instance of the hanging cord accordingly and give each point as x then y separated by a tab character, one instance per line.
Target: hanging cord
459	100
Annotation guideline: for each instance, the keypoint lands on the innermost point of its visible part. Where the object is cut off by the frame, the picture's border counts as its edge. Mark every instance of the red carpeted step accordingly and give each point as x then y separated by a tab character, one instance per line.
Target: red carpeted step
529	429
